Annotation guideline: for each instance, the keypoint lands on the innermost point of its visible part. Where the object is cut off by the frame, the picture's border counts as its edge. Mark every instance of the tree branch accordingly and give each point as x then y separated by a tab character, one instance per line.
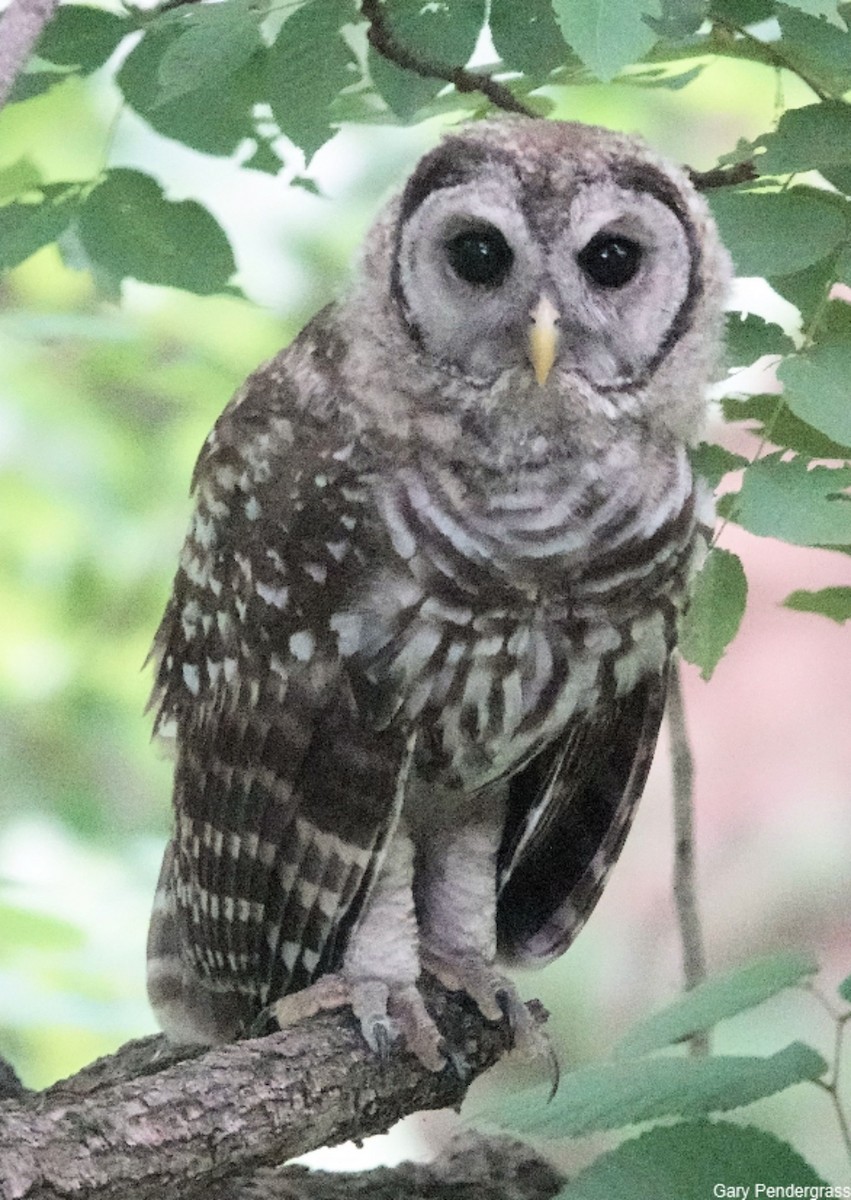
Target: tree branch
704	181
685	883
20	28
152	1120
383	42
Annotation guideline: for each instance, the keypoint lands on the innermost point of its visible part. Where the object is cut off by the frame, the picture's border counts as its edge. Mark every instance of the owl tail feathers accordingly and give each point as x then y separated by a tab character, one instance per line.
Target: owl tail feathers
187	1011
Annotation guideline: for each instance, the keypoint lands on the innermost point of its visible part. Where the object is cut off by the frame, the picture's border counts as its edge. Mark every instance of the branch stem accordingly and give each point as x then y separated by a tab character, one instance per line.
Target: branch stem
685	888
383	42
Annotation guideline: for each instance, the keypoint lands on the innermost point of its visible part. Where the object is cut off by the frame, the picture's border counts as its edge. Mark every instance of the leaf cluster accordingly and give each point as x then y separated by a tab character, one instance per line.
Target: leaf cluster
682	1159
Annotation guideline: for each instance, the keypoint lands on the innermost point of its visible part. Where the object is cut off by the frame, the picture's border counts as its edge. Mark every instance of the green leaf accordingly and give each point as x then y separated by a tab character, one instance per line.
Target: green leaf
25	228
819	8
786	500
441	32
128	227
712	462
213	40
832	602
820	51
813	138
210	118
309	63
632	1090
526	37
742	12
777	233
687	1162
717	999
82	37
750	337
817	388
807	289
844	988
781	427
18	177
714	612
608	35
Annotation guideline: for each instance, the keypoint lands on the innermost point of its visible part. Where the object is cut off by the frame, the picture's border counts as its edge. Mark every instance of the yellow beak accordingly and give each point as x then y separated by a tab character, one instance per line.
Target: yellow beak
543	338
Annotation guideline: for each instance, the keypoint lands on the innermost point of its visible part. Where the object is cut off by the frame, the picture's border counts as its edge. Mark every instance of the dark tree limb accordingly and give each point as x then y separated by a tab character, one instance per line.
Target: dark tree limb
20	28
383	42
704	181
151	1121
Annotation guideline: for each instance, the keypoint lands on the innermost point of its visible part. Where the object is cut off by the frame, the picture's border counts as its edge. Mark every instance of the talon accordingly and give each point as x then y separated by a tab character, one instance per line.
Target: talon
264	1023
381	1041
455	1060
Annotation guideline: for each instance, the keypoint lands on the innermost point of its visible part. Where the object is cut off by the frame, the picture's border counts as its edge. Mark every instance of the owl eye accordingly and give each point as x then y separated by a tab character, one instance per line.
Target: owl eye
480	256
610	260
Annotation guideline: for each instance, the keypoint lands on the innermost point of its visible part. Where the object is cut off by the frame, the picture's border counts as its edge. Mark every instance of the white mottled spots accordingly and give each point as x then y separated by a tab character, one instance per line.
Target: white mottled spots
214	670
302	645
446	612
189	618
344	453
275	558
648	653
203	530
226	478
318	572
206	622
486	647
167	729
252	508
321	481
227	908
348	628
310	958
289	954
277	597
337	550
244	565
190	678
224	622
602	638
519	641
215	585
229	666
277	665
348	522
403	540
254	692
241	607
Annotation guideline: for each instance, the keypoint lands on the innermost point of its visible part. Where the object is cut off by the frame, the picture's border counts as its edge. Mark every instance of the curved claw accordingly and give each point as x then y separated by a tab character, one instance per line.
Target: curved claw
381	1041
456	1061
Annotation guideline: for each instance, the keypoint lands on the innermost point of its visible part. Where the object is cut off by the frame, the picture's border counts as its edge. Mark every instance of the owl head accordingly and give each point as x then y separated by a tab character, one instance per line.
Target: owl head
548	264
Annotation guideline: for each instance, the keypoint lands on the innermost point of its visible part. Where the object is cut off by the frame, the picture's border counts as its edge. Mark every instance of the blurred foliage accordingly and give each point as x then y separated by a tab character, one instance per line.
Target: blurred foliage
162	174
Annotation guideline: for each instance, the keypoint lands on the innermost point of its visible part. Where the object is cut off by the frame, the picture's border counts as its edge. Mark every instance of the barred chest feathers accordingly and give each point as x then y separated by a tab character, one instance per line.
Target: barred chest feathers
500	614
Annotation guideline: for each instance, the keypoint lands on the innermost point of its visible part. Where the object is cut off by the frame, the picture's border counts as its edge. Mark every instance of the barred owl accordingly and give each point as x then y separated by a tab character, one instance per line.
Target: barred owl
414	662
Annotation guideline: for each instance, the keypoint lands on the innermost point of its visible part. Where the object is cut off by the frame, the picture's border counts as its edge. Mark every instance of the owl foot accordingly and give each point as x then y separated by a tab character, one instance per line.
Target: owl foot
493	993
386	1013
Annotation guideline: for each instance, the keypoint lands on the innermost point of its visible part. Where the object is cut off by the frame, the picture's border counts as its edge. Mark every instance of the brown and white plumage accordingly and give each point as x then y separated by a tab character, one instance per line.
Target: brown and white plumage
414	661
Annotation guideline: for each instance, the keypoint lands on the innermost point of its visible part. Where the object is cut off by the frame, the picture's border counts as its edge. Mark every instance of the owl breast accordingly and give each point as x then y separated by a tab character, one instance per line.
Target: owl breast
504	612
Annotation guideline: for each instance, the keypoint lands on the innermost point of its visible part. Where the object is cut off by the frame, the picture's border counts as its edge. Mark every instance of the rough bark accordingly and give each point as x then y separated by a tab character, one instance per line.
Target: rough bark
153	1121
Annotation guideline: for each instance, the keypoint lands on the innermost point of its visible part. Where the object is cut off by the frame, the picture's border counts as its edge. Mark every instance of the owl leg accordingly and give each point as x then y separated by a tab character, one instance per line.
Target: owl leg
456	906
378	975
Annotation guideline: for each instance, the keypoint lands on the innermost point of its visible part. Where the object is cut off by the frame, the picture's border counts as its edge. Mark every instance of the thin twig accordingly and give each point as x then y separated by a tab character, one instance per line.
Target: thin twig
743	172
20	28
685	889
383	42
772	55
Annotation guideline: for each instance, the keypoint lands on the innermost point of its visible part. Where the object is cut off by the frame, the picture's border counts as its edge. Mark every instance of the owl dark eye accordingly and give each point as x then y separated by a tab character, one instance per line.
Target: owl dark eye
610	260
480	256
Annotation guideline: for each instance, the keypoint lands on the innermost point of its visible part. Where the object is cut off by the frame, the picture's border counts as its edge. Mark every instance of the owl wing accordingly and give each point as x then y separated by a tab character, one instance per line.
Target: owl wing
569	812
284	798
